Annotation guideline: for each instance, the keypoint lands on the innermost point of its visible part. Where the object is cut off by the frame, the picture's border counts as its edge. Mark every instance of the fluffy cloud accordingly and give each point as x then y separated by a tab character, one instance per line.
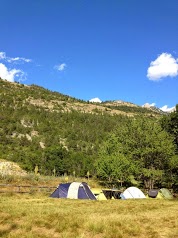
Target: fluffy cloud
13	60
167	109
60	67
11	74
95	100
165	65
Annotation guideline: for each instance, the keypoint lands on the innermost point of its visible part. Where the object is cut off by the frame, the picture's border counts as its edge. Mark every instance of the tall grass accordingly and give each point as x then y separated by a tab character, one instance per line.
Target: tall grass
33	179
34	216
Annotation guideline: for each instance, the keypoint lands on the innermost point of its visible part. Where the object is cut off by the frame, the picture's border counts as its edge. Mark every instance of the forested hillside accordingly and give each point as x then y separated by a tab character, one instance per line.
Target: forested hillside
61	134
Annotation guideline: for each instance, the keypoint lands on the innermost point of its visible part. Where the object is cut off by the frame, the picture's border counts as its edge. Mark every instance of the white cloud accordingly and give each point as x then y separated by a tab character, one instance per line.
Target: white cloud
165	65
95	100
11	74
60	67
13	60
19	60
167	109
2	55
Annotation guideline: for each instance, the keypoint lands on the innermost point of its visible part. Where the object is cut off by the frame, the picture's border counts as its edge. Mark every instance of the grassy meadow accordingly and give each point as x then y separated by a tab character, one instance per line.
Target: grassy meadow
35	215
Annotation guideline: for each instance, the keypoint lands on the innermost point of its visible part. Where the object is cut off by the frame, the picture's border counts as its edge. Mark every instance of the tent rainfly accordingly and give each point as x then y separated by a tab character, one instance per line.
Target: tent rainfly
98	194
132	193
73	190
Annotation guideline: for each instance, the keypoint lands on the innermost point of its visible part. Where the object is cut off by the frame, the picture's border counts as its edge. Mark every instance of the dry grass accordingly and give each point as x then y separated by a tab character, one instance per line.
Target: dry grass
40	180
33	216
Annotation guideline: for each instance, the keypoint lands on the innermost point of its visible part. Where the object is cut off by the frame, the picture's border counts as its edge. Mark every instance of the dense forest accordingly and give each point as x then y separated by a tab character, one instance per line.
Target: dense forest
118	143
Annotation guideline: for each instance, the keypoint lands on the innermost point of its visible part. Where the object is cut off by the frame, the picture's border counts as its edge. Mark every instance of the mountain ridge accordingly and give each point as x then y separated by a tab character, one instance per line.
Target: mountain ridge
52	130
68	103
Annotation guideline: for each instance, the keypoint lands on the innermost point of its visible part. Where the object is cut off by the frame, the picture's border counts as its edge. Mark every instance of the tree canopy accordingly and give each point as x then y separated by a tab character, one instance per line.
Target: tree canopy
139	148
59	134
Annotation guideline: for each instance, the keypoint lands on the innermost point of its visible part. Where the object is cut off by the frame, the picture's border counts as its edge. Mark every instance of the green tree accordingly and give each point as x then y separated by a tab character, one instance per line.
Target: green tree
54	157
139	147
150	147
112	164
170	124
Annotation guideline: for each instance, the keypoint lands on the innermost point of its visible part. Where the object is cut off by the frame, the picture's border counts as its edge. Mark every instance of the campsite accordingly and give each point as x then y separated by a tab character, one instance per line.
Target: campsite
89	119
123	166
39	216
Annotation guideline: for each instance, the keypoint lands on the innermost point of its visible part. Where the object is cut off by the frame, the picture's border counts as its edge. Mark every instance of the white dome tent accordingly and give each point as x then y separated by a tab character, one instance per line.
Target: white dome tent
132	193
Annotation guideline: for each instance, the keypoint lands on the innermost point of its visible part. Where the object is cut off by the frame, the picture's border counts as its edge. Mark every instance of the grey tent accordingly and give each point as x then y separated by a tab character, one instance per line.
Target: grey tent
163	193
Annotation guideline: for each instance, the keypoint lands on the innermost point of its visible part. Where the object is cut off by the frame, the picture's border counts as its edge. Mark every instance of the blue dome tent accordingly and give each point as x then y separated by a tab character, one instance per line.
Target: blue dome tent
73	190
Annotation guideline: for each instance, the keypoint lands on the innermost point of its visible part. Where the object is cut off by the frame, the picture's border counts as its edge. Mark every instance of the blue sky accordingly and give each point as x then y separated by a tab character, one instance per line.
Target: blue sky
107	49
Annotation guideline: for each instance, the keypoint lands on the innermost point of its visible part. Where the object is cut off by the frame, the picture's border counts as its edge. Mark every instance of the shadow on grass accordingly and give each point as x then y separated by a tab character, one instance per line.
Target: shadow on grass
6	229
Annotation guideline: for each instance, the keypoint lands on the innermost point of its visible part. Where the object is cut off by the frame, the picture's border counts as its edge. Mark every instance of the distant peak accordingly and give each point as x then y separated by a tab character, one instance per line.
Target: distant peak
165	108
95	100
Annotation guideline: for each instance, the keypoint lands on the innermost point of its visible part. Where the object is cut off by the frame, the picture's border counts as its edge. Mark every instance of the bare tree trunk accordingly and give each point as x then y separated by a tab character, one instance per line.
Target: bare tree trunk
149	183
